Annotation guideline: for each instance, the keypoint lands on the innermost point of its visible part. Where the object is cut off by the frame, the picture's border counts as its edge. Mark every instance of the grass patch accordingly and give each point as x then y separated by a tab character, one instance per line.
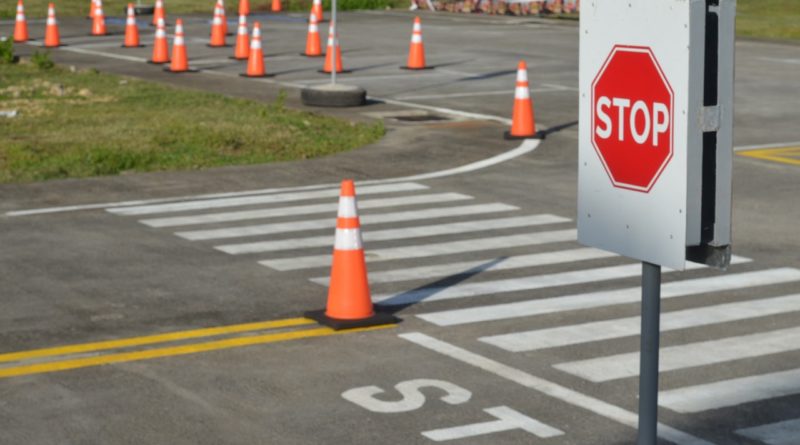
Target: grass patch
80	124
771	19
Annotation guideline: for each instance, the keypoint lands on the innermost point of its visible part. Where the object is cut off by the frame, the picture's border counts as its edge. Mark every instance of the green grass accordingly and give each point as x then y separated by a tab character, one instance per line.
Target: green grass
87	124
771	19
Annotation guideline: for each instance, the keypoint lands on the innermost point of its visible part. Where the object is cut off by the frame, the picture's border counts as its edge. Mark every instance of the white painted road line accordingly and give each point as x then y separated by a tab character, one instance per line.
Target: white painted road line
780	433
548	89
624	327
430	249
243	215
396	234
484	265
611	297
726	393
263	199
329	223
548	388
507	419
604	369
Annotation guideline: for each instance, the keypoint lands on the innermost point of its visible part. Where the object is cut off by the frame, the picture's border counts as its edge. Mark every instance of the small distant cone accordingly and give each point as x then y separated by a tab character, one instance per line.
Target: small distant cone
159	13
217	30
131	29
313	46
349	301
244	7
316	9
276	6
180	60
333	48
160	45
255	61
416	52
52	38
99	20
20	25
522	122
242	51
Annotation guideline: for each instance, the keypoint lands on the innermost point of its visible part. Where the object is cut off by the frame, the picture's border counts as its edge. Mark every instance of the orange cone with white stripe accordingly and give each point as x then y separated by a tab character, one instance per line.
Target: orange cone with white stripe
242	50
160	45
416	52
20	24
159	13
316	9
244	7
217	31
180	60
333	49
92	6
313	47
523	124
99	20
349	301
52	38
131	29
276	6
255	63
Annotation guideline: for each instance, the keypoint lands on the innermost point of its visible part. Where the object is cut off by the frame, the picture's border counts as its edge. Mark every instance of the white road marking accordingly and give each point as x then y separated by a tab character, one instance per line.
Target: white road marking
75	49
431	249
443	110
327	223
761	146
484	265
548	388
243	215
263	199
603	369
726	393
782	60
779	433
396	234
629	326
507	419
548	89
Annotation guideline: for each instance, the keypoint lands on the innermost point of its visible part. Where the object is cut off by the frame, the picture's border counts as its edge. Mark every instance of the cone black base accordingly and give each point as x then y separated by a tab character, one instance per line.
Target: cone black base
218	46
510	137
338	72
306	55
236	58
137	46
190	70
416	69
256	77
156	63
337	324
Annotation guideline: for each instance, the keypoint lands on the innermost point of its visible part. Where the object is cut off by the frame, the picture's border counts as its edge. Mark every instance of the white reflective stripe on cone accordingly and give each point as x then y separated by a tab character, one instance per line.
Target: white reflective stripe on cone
347	207
179	41
522	93
522	75
348	239
313	28
255	44
416	38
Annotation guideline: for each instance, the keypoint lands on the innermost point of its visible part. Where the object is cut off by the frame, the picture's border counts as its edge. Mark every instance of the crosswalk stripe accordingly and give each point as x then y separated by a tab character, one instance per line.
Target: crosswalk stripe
608	298
430	249
396	234
261	199
484	265
329	223
623	327
779	433
243	215
618	366
726	393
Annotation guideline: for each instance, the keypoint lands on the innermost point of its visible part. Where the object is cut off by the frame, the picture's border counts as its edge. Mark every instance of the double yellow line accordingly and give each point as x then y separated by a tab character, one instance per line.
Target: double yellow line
784	155
146	354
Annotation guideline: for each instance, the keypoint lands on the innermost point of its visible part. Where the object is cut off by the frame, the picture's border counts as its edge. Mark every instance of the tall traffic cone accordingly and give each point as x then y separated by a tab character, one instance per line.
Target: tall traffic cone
244	7
416	52
99	20
52	38
313	47
242	51
255	61
349	301
217	31
523	124
20	25
160	45
159	13
276	6
316	9
180	60
333	49
131	29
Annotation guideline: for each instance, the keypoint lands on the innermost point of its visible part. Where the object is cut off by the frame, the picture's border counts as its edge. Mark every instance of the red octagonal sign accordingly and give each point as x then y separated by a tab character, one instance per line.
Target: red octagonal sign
632	118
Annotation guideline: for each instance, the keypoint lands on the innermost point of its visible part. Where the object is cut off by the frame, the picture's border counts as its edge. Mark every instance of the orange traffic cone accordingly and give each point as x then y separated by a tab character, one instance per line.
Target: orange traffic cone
131	29
99	20
316	9
92	6
255	61
20	25
244	7
522	122
159	13
349	302
180	61
223	17
416	52
217	31
276	6
313	47
242	51
333	49
52	39
160	46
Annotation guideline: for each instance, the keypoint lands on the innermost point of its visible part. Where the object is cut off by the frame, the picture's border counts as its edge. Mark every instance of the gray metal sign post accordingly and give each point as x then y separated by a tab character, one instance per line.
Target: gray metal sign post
648	356
335	42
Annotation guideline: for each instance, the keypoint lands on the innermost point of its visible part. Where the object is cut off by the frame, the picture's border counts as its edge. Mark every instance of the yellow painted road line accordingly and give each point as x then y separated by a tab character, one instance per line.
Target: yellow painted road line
175	351
153	339
784	155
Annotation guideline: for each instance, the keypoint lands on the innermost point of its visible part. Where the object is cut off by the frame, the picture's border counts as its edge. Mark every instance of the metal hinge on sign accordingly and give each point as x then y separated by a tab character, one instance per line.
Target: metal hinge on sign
710	119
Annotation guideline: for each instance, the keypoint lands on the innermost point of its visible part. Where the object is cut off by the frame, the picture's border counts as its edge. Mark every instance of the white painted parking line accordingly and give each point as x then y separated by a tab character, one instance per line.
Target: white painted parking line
726	393
263	199
244	215
432	249
603	369
591	300
779	433
484	265
396	234
548	388
328	223
507	419
624	327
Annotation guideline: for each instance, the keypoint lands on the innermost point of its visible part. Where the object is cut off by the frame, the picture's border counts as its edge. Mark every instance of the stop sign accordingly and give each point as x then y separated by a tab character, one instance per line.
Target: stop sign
632	117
